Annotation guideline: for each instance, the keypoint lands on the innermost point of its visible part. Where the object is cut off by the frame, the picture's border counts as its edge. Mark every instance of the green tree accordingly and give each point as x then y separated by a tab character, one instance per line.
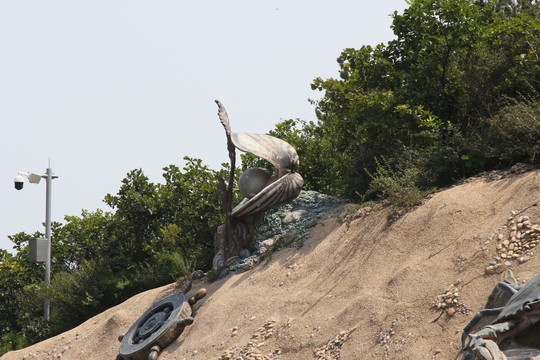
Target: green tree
430	92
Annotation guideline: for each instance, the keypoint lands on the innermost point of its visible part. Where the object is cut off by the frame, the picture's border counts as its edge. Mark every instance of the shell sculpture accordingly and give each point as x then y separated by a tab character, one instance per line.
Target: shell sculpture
283	185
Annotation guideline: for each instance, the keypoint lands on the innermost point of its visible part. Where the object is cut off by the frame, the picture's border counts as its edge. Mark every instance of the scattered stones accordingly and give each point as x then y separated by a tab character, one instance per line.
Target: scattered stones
448	299
516	242
251	350
332	350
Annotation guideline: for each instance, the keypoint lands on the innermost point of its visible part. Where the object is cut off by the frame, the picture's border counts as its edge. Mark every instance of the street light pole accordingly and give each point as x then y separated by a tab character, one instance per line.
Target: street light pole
34	178
48	176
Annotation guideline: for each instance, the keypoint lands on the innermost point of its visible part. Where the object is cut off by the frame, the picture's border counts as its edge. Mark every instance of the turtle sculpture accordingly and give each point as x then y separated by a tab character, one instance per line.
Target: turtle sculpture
516	310
158	327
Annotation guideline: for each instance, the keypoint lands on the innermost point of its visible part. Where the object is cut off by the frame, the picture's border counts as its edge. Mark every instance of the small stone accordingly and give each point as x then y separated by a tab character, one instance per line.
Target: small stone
505	243
265	245
197	274
244	253
223	274
451	311
294	216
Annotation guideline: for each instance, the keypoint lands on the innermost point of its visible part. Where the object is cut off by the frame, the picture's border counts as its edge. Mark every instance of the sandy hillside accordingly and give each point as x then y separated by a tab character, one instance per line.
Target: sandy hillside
367	281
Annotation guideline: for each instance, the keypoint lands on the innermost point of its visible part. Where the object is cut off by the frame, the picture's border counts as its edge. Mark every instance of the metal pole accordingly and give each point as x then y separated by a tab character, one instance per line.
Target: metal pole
47	305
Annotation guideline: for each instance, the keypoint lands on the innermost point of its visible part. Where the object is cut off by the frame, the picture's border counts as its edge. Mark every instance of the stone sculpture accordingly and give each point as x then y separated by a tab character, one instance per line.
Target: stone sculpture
158	326
262	190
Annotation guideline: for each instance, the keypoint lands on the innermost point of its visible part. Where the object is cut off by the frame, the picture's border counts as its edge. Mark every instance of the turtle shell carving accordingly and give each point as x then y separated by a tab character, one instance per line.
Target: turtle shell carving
159	326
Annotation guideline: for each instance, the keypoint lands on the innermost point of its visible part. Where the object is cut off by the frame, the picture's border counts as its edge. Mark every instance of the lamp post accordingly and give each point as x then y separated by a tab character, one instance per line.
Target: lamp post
34	178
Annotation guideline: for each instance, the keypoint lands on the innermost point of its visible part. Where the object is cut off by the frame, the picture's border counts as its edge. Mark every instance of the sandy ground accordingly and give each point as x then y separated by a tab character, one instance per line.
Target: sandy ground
366	282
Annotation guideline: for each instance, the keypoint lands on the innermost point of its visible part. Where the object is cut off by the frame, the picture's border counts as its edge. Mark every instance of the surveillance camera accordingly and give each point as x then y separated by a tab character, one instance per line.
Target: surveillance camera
19	182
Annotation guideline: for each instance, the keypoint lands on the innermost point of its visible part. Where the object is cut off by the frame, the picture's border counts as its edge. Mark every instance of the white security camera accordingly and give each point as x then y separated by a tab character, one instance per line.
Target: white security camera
19	182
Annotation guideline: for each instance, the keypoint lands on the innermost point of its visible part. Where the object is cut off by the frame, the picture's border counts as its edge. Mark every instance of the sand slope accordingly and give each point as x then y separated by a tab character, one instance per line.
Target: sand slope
368	279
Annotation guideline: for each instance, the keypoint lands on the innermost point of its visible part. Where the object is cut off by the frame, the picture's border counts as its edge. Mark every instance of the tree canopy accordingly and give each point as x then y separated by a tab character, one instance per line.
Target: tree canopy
436	98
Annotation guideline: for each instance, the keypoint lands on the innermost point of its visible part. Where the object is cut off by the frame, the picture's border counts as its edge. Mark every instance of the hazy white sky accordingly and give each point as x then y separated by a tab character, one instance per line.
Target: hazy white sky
103	87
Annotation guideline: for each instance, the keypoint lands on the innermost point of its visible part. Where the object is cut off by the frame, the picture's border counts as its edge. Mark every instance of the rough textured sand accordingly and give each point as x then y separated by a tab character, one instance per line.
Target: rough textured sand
367	283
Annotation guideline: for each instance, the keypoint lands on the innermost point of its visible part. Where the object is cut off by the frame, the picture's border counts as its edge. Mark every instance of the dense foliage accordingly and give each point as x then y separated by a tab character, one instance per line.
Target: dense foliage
457	92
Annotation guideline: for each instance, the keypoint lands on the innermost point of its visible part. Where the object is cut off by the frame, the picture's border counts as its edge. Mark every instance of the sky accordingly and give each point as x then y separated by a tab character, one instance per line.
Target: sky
99	88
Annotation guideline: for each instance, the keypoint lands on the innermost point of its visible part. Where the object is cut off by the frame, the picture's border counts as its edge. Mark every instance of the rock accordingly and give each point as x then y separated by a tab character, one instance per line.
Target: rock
294	216
265	245
223	273
197	274
244	253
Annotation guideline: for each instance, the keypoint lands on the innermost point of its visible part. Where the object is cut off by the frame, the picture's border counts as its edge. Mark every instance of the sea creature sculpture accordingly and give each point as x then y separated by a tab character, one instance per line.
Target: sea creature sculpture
517	314
263	191
158	327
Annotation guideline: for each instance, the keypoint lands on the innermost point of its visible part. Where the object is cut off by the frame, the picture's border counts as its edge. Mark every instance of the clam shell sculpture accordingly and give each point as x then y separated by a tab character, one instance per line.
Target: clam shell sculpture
283	185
